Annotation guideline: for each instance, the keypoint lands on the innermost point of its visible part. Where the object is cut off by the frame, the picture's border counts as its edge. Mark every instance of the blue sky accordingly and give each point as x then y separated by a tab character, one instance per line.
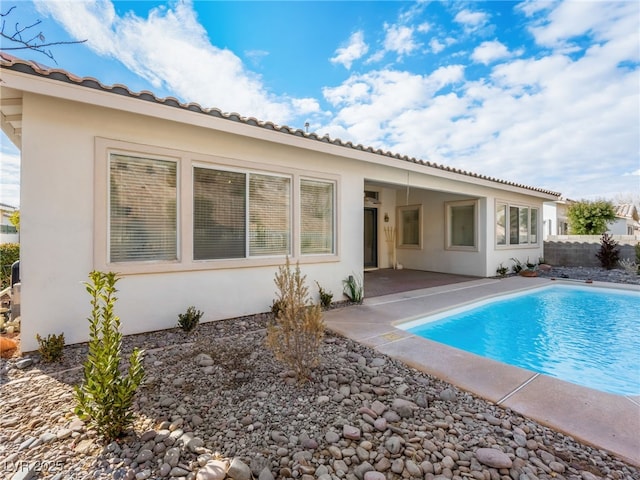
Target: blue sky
543	93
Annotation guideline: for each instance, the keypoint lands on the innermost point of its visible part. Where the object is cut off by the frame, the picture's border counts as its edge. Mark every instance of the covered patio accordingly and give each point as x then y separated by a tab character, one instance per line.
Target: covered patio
386	281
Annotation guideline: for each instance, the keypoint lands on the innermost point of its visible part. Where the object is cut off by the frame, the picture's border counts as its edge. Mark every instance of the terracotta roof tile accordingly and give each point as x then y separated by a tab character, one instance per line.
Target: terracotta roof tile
33	68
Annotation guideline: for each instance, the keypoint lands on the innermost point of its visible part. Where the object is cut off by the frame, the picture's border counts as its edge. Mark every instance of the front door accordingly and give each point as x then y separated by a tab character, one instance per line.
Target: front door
370	237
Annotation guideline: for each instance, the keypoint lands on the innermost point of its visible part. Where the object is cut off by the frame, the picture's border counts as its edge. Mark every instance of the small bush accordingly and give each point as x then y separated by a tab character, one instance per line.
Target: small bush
9	253
609	253
353	288
502	270
296	335
517	265
637	249
189	320
629	266
105	397
51	347
325	297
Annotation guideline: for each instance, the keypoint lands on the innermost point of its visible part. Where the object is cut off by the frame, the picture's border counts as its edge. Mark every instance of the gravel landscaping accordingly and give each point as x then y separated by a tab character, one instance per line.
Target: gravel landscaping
215	404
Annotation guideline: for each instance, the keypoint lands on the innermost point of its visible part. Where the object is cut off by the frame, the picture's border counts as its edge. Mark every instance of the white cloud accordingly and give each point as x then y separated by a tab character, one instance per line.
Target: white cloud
553	121
170	48
355	49
565	21
436	46
9	173
400	39
489	52
471	20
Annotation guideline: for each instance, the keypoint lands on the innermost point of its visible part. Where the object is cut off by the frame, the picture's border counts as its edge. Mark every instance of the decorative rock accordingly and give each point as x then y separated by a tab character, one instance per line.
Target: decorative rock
393	445
493	458
204	360
362	469
403	407
24	363
172	456
178	472
351	432
144	456
213	470
378	407
397	466
371	475
238	470
448	395
332	437
265	474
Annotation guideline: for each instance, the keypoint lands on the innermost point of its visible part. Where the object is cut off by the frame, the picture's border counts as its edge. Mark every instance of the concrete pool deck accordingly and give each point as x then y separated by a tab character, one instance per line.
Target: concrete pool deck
606	421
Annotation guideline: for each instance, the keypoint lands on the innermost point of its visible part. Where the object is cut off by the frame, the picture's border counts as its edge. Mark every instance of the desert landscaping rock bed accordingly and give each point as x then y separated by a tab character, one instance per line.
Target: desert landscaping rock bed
215	404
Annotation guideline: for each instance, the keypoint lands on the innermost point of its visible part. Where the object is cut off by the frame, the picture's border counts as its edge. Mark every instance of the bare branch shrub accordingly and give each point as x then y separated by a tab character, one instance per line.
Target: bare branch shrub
296	334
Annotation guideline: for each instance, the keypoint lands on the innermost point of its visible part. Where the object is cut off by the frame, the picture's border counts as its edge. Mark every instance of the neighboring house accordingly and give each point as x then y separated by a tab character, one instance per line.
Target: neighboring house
626	222
196	207
556	220
8	231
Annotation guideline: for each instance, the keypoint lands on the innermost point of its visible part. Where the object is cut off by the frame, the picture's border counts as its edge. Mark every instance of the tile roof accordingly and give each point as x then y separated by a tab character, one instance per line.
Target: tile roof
627	210
33	68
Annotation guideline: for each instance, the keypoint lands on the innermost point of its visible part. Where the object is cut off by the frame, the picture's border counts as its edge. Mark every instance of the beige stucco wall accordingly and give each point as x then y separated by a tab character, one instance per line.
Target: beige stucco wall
59	233
63	231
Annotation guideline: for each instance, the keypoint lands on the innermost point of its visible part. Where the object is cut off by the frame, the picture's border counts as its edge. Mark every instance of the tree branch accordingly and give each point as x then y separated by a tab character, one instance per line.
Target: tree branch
36	43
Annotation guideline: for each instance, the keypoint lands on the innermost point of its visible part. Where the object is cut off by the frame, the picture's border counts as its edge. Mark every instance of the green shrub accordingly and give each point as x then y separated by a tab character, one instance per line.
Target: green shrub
189	320
296	335
9	253
517	265
325	297
609	253
502	270
637	248
51	347
105	397
353	288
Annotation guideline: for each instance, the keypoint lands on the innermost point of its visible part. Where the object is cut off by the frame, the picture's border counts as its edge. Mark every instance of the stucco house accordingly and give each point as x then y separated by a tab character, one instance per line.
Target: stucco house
627	221
8	231
193	206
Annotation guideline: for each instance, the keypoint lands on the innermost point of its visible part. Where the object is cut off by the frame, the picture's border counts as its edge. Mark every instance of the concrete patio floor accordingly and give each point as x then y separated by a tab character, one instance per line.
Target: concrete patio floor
606	421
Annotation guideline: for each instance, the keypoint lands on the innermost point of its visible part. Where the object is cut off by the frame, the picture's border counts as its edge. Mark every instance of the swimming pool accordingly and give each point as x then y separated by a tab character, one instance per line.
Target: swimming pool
582	334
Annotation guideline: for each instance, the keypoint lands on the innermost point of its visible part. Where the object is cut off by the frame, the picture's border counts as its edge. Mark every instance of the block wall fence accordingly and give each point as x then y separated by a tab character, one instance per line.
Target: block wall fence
580	250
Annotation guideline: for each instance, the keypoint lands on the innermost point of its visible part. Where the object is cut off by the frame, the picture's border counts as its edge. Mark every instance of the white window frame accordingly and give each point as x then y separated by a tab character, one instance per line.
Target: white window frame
449	206
508	206
402	242
334	208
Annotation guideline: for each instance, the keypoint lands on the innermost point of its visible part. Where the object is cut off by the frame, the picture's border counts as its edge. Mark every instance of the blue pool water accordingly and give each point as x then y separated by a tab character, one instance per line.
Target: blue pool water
585	335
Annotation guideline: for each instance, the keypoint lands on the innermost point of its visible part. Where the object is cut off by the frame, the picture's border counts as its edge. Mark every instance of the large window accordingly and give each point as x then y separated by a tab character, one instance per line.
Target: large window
227	205
143	209
410	226
164	210
516	225
317	214
461	225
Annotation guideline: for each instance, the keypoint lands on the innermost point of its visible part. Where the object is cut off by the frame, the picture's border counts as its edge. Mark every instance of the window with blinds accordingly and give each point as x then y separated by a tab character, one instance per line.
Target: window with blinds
219	213
143	209
269	215
317	212
235	210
